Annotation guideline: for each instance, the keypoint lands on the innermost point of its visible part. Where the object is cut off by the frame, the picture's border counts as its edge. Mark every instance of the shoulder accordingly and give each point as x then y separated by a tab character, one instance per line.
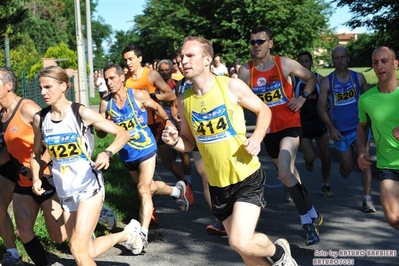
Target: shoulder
81	109
283	59
106	99
324	82
244	67
359	75
289	64
235	85
153	73
138	94
29	107
371	91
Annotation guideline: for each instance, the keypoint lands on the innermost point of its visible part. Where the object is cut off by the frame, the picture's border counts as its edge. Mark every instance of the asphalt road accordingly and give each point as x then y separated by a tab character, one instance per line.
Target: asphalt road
347	234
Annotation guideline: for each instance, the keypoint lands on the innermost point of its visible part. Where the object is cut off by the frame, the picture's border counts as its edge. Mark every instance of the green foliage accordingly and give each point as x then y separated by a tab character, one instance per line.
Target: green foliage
360	50
37	25
47	25
69	14
11	15
381	16
100	32
122	39
297	25
57	52
96	100
20	62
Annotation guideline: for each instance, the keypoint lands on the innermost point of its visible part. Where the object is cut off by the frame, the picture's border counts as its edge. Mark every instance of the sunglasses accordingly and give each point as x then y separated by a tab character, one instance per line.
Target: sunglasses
258	41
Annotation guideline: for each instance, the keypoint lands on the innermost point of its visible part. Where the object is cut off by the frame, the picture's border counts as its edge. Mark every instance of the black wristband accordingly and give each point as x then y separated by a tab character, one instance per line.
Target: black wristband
174	144
167	120
153	96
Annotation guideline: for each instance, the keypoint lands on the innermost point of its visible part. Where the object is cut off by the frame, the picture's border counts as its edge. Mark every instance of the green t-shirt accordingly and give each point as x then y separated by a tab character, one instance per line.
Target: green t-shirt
383	111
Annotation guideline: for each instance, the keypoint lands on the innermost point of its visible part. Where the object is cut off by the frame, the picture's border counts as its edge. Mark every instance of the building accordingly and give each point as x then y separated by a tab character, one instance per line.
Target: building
345	38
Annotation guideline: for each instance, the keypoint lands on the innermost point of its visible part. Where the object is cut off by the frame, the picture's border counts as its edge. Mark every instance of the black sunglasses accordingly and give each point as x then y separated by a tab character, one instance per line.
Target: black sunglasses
258	41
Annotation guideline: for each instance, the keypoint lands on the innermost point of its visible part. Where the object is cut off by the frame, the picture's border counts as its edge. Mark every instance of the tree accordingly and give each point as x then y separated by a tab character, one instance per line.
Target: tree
46	28
382	16
11	13
122	39
297	25
100	32
360	50
57	52
46	25
24	56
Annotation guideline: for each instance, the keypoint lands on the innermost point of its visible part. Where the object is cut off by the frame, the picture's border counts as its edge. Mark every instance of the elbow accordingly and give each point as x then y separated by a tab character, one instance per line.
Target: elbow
126	136
172	96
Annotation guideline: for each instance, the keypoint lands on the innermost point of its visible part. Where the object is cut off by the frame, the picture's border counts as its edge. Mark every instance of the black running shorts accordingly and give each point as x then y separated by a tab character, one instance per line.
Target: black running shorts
272	140
249	190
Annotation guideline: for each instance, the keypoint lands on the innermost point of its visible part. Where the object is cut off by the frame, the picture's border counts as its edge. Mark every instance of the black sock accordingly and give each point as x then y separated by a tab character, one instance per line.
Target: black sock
297	195
278	254
36	252
308	203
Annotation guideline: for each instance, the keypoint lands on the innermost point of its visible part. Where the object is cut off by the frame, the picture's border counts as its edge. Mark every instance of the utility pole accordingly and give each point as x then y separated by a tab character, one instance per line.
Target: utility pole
89	48
81	57
7	51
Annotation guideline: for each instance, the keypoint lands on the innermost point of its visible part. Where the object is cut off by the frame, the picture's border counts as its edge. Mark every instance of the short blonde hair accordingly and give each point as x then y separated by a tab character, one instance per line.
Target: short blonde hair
205	44
56	73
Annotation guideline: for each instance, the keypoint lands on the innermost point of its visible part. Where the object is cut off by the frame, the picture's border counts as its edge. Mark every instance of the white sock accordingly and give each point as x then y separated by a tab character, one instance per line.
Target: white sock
305	219
14	252
175	192
312	213
144	231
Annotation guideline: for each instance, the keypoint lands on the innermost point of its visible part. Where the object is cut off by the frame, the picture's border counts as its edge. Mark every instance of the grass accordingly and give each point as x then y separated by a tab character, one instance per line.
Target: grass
121	196
96	100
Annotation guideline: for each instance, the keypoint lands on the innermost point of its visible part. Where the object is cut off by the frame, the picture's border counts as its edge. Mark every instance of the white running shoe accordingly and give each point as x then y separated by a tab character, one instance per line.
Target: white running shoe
182	201
107	217
286	259
134	242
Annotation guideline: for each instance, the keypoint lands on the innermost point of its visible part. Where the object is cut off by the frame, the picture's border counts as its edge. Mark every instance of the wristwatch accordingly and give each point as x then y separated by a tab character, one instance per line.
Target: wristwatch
109	153
304	94
153	96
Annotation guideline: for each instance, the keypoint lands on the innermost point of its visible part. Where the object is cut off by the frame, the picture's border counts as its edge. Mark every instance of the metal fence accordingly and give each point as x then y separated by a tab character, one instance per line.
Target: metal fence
29	88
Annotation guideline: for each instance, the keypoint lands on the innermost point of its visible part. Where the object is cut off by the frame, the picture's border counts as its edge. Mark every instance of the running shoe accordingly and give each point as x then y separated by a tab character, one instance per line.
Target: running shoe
311	234
145	243
134	242
326	191
107	217
216	229
286	259
9	260
182	201
368	205
189	194
318	220
287	196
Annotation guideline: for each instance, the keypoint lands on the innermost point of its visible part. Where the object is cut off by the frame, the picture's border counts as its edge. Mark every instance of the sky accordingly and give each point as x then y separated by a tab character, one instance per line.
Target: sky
120	13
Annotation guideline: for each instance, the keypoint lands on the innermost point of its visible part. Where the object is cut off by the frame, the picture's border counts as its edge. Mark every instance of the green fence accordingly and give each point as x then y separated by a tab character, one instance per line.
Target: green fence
29	88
